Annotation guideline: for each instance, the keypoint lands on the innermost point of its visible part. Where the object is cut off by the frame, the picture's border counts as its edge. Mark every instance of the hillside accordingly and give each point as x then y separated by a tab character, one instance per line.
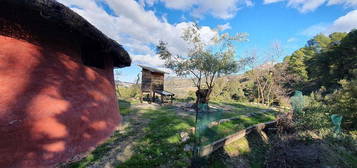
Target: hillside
182	86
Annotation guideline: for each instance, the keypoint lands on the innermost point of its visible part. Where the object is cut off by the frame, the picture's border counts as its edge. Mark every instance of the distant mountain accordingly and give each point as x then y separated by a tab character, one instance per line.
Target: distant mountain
122	83
182	86
265	66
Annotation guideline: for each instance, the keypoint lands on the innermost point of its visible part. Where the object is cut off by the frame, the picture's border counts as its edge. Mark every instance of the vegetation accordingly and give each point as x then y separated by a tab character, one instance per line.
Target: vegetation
205	61
328	68
155	135
315	124
241	122
161	143
325	70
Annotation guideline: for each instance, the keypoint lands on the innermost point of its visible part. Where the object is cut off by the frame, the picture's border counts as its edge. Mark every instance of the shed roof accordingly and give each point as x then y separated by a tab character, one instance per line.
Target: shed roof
51	20
152	69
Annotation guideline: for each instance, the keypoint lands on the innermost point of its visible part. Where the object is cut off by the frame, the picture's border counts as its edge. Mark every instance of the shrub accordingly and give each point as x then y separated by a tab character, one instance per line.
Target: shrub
132	91
344	102
191	96
314	118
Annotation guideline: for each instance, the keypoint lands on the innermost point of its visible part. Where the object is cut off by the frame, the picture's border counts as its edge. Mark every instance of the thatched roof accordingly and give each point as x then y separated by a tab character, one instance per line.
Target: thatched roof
48	20
151	69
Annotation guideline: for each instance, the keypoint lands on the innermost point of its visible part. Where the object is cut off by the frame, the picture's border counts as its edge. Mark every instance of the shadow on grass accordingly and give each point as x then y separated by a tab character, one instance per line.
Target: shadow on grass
124	106
248	151
99	152
161	143
238	108
115	139
211	134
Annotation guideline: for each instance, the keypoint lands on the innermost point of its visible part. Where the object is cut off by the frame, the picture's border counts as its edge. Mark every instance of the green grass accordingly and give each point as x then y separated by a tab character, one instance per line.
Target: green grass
238	147
99	152
124	106
251	148
239	108
161	144
215	133
248	151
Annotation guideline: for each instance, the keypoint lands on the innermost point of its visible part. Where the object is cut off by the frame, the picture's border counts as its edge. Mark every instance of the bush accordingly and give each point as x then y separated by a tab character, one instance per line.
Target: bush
132	91
227	90
314	118
191	96
344	102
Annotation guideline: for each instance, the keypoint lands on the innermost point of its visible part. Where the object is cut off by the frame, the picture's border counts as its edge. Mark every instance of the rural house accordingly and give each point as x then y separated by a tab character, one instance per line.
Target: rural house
57	97
152	84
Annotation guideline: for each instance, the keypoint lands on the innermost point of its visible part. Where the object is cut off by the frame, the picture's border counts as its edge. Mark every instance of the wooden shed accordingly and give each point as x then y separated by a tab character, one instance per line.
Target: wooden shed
152	84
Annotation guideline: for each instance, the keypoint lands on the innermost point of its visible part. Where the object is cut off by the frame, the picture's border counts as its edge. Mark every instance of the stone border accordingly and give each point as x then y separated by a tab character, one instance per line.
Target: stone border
208	149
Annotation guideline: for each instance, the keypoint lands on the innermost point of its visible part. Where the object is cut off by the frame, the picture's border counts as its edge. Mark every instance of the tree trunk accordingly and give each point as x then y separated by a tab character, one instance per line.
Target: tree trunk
202	97
261	95
269	91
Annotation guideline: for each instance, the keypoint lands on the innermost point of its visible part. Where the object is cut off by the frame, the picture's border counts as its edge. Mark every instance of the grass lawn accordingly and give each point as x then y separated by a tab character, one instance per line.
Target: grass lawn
161	144
238	108
217	132
248	151
154	134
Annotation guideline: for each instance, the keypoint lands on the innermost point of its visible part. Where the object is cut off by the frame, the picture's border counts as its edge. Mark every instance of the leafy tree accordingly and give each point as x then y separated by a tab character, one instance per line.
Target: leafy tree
325	60
205	61
320	40
337	62
344	102
266	86
337	37
297	65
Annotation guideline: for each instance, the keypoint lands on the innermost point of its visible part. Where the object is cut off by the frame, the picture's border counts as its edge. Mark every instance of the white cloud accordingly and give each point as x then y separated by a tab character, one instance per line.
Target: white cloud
291	40
310	5
181	4
315	29
305	5
137	29
224	27
151	60
342	24
199	8
271	1
348	3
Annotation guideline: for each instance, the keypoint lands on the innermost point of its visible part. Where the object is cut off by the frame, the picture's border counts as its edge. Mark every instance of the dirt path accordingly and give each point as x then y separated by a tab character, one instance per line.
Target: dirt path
122	148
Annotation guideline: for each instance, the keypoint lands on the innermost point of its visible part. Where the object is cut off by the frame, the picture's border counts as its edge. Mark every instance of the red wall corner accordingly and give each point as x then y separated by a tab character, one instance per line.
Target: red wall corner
52	107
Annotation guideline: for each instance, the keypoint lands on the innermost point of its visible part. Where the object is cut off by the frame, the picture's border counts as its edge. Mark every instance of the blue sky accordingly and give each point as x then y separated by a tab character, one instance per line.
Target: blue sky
139	24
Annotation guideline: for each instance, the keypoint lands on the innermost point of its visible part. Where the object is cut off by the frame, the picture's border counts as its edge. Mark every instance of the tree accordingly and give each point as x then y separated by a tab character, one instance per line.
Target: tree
344	102
265	76
335	62
337	37
297	65
205	61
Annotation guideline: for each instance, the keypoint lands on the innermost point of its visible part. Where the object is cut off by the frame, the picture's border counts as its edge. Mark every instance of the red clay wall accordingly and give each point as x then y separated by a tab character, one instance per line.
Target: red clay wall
51	106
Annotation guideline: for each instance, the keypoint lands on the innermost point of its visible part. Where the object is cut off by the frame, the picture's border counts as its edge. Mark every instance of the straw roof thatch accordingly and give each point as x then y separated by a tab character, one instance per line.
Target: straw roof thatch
47	20
151	69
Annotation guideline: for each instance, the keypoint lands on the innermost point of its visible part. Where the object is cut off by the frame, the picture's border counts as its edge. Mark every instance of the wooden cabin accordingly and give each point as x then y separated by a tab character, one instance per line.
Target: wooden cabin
152	85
